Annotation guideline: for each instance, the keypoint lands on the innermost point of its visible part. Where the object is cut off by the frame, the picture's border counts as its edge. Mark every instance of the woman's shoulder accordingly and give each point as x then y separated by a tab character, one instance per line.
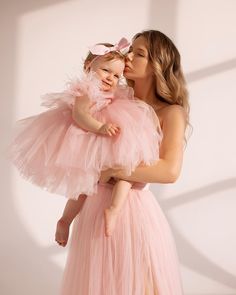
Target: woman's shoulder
166	109
171	112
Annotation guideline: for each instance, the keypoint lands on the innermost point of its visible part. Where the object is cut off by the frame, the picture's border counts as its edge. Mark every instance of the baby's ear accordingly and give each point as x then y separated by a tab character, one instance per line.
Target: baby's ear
87	67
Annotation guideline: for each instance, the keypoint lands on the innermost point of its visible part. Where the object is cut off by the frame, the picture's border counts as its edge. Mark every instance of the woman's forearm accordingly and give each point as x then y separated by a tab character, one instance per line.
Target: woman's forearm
167	168
162	172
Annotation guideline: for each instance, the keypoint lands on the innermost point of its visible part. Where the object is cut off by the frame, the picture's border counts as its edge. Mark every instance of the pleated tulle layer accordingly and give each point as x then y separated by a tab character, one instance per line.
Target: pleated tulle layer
138	259
53	152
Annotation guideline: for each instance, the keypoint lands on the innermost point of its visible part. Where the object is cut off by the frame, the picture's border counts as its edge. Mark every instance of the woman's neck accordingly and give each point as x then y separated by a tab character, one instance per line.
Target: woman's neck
145	90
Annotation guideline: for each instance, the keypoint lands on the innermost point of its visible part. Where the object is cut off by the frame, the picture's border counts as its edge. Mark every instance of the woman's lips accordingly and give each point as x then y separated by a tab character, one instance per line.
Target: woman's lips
127	67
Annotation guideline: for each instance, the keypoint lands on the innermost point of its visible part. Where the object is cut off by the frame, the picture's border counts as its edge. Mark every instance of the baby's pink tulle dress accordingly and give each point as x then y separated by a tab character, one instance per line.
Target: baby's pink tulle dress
52	151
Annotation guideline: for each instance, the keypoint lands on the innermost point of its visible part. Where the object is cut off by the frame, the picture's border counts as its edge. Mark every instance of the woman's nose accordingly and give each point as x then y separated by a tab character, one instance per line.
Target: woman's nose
129	56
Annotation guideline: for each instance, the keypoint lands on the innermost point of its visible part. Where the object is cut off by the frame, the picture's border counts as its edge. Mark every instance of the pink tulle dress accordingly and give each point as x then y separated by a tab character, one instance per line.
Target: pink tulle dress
140	257
52	151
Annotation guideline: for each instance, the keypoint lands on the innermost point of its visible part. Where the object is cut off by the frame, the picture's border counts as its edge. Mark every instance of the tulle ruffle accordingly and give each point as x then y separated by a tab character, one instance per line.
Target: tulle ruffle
53	152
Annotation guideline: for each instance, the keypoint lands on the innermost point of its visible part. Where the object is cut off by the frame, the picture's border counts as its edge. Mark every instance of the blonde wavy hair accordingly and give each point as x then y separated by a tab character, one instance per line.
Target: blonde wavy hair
166	62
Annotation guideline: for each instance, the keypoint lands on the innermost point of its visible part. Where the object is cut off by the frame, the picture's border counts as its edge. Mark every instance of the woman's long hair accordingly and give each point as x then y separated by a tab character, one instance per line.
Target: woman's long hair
166	62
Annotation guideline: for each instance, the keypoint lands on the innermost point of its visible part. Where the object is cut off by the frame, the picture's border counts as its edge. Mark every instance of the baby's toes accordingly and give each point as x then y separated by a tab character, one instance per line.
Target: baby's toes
61	242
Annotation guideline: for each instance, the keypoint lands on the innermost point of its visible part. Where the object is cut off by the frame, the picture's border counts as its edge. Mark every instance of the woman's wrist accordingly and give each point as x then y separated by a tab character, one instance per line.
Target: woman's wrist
118	173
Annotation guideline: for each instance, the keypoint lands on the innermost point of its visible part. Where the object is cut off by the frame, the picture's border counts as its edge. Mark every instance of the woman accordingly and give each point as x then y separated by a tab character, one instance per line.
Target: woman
140	257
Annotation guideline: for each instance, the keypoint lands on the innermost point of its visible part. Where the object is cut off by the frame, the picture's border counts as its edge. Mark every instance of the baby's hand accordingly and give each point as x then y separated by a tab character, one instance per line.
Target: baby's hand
109	129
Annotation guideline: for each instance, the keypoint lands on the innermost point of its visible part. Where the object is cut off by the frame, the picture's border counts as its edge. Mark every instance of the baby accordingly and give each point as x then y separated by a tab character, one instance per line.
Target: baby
95	124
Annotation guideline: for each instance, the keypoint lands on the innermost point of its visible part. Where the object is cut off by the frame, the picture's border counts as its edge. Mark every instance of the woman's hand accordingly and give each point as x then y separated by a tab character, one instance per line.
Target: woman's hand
106	175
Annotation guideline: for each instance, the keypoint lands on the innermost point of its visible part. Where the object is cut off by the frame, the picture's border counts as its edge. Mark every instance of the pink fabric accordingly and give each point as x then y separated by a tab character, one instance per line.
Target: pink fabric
99	49
53	152
138	259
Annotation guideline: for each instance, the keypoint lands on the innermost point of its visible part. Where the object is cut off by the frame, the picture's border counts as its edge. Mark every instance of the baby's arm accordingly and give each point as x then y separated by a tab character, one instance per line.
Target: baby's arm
82	116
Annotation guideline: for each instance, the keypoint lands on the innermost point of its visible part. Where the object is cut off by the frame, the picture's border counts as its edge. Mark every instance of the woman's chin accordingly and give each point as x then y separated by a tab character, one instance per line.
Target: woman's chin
128	76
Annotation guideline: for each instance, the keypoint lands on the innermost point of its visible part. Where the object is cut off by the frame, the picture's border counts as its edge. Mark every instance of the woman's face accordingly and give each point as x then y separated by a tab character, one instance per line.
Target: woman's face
137	64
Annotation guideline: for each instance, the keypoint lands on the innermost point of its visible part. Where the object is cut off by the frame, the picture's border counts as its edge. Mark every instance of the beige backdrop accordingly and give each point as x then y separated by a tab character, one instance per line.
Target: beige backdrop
42	44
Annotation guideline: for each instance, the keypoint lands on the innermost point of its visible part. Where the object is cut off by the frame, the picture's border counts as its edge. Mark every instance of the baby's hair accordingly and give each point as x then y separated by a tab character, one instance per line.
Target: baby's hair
107	57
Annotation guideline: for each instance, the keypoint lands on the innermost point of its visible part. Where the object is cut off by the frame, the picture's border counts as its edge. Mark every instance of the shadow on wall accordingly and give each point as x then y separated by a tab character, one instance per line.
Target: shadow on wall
26	267
163	16
211	70
20	255
189	255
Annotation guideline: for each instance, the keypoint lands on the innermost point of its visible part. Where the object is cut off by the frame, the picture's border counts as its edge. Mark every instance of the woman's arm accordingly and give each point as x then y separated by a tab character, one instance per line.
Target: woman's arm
168	168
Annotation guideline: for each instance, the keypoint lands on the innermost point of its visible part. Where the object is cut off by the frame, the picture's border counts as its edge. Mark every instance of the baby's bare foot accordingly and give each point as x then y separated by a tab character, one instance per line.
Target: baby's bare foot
62	232
110	215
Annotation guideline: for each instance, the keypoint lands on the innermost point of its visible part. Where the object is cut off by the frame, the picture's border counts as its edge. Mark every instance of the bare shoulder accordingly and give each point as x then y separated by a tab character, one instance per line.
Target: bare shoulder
172	109
171	114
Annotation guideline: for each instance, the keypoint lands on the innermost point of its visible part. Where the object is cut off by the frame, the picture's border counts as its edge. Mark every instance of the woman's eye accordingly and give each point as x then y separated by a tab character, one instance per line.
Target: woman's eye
140	54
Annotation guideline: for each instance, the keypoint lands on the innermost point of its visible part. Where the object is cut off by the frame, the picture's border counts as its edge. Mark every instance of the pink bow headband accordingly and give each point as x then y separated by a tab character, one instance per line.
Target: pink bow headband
99	49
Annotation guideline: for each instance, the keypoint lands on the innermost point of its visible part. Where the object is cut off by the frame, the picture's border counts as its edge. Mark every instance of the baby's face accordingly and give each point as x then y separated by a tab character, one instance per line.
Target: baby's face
108	72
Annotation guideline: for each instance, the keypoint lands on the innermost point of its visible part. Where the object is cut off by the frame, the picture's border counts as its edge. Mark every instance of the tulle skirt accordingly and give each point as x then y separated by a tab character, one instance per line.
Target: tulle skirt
138	259
53	152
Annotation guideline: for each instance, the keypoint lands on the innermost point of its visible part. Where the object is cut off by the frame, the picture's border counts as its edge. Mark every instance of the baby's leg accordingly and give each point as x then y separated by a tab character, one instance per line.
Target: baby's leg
72	208
119	195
